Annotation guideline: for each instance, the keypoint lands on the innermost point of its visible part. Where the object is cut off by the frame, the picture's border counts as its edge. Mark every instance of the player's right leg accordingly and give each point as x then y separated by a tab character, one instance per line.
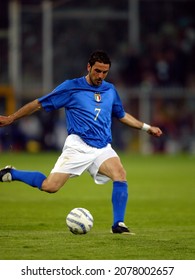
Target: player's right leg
5	174
36	179
32	178
54	182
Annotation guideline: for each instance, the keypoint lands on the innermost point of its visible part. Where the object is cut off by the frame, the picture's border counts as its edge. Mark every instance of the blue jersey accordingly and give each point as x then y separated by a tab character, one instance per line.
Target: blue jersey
89	109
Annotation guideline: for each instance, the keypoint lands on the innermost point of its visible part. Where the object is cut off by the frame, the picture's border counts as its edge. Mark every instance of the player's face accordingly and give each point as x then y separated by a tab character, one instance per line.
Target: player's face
97	73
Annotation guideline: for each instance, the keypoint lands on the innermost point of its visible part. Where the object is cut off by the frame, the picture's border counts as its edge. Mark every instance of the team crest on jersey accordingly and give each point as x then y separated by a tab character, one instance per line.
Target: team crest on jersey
97	97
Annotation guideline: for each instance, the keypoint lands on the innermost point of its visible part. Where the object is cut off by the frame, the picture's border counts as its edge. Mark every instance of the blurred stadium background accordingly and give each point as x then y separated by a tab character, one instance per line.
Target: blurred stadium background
152	47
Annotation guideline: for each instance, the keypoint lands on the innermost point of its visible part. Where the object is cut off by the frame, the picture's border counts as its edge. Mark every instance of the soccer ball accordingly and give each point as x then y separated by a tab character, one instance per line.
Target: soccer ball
79	221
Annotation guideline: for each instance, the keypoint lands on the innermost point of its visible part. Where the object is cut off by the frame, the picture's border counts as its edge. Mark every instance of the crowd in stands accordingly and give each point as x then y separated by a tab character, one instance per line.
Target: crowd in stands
165	59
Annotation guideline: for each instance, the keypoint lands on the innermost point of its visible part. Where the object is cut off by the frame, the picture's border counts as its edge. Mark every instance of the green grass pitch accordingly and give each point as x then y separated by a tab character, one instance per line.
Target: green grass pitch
161	212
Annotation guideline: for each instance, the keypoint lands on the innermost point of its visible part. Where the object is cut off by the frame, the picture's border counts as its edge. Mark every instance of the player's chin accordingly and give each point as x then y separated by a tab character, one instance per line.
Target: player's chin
98	82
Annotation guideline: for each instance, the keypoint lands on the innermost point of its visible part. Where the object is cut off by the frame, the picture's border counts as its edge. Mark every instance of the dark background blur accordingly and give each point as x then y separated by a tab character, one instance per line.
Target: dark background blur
152	48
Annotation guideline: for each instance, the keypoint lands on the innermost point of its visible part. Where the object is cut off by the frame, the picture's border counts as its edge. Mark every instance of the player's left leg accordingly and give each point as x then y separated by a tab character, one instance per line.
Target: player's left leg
113	169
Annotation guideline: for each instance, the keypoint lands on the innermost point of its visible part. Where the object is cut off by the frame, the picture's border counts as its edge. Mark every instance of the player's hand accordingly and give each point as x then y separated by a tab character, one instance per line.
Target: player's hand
155	131
5	120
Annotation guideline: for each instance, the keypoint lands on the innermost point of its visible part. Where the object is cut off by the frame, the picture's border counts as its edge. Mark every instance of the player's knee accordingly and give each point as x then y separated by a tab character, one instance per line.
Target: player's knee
123	174
49	188
120	175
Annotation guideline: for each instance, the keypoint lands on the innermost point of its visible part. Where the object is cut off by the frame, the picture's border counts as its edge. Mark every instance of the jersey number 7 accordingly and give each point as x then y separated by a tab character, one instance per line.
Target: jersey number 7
97	110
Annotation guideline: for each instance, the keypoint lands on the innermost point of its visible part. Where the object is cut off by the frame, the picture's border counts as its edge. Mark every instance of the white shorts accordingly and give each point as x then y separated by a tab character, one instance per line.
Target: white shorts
78	157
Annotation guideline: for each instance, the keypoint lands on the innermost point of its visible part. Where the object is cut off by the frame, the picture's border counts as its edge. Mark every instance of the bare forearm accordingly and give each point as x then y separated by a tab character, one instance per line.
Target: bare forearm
131	121
26	110
135	123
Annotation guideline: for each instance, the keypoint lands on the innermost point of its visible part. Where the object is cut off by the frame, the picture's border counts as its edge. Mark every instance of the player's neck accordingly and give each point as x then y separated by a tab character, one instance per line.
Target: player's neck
88	80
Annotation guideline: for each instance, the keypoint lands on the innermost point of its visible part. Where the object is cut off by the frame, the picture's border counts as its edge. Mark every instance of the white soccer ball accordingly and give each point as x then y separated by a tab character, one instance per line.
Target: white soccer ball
79	221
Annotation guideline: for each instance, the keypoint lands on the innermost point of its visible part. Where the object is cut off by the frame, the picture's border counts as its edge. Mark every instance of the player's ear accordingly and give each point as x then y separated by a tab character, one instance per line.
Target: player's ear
88	67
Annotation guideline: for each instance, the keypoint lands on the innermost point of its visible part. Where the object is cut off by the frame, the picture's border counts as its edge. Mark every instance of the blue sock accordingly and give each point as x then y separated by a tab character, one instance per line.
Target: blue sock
32	178
119	201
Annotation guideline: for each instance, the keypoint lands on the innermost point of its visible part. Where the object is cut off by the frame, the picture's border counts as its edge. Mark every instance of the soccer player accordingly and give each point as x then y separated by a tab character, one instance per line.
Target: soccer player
90	103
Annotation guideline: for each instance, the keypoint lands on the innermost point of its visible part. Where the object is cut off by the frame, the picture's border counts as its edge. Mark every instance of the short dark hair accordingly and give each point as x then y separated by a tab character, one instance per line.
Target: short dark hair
99	56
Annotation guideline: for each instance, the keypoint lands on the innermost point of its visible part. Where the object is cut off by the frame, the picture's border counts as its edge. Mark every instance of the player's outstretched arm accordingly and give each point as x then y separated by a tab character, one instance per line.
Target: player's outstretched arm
26	110
135	123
